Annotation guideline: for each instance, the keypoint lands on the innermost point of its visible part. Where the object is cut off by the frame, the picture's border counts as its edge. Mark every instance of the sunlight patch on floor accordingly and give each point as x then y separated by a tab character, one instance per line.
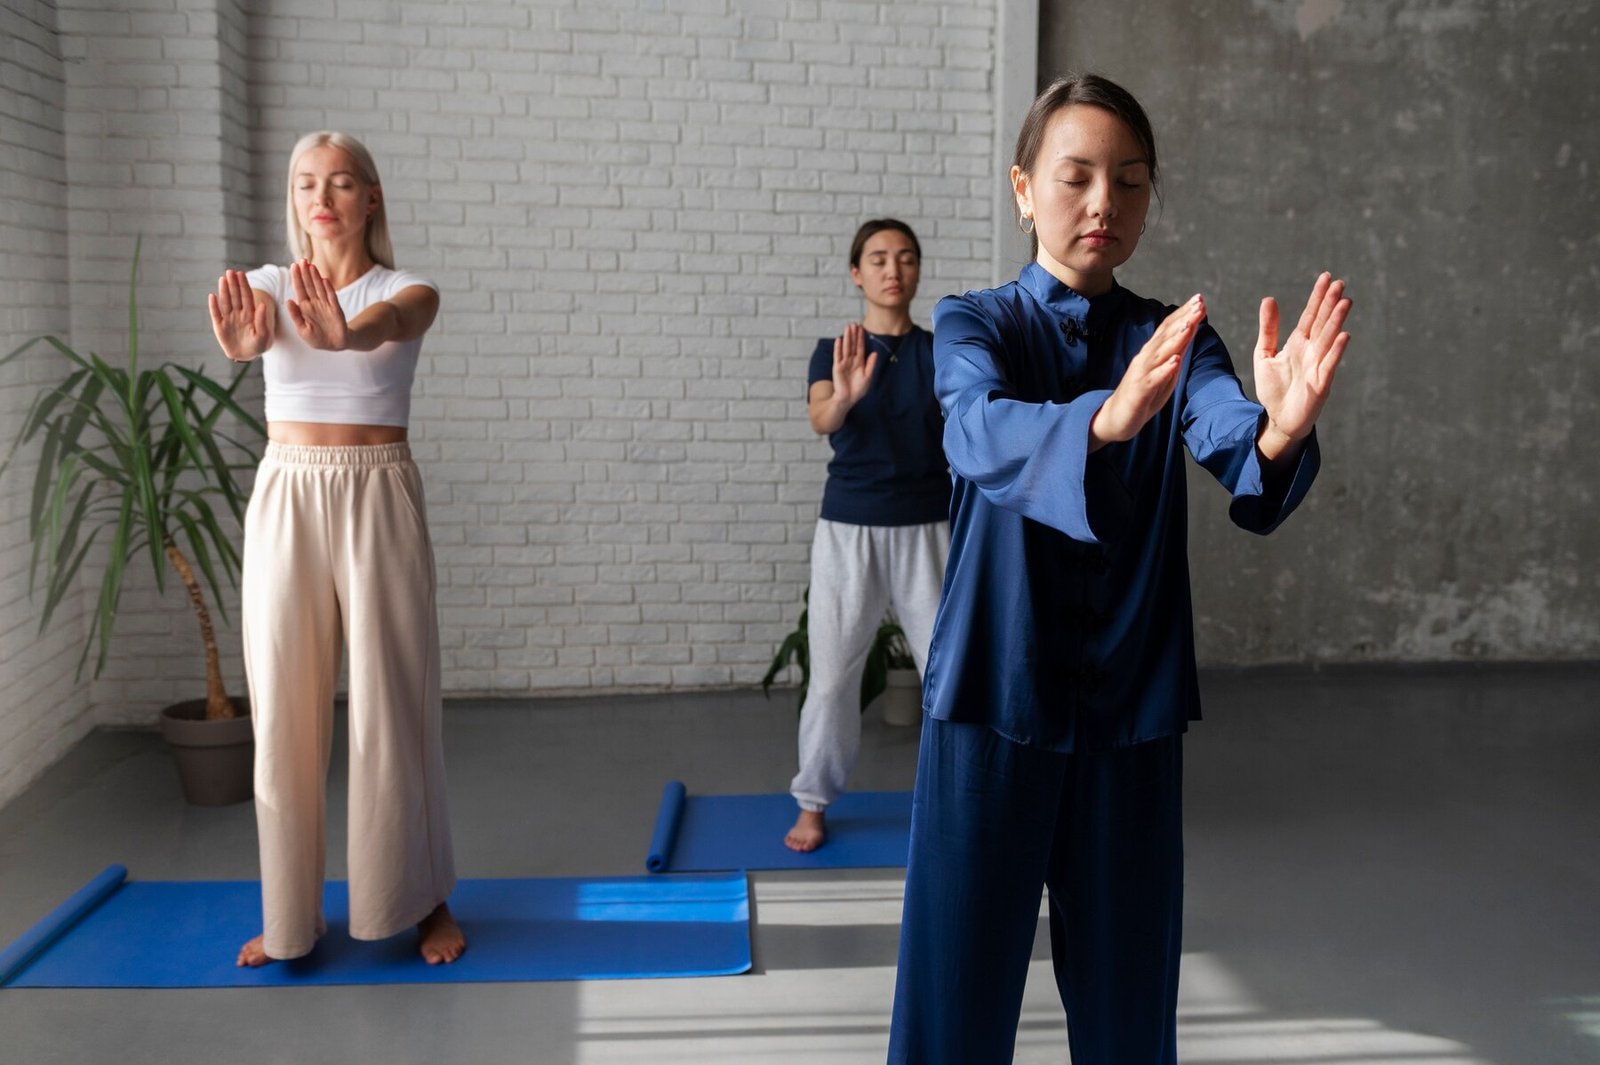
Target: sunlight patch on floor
840	1015
1585	1018
830	903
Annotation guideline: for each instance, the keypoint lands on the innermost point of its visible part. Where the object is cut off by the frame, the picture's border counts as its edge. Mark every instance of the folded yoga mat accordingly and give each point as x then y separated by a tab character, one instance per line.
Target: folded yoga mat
703	832
187	934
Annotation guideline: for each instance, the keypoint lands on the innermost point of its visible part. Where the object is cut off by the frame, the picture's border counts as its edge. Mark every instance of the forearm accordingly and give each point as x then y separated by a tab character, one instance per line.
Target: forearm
375	326
827	415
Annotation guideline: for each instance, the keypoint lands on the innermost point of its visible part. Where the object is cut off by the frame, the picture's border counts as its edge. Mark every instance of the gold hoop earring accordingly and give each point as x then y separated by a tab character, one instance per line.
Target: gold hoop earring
1025	223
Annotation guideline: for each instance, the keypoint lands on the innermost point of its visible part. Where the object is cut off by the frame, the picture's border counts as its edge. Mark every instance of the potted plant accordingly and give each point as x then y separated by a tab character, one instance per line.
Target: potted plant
141	455
901	686
890	670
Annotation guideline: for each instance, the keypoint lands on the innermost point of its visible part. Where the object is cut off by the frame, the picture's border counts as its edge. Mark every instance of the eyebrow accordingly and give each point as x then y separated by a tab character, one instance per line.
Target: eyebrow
1136	161
336	173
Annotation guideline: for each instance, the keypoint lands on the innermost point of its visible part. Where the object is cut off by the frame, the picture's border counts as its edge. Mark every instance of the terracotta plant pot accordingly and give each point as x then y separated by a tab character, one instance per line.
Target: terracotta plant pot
216	759
902	699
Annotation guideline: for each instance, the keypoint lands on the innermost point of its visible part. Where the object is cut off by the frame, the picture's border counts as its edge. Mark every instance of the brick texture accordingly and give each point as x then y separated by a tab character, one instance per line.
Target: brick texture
638	213
43	710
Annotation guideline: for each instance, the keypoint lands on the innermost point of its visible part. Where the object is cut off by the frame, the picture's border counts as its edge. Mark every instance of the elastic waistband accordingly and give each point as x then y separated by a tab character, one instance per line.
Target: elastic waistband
365	456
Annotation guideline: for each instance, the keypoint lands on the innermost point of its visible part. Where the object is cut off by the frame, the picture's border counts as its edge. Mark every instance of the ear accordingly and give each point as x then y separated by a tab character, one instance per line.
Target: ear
1022	189
374	199
855	276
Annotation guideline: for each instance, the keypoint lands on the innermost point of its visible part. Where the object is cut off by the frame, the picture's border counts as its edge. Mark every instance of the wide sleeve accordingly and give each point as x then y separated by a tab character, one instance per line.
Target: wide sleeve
1028	457
1220	429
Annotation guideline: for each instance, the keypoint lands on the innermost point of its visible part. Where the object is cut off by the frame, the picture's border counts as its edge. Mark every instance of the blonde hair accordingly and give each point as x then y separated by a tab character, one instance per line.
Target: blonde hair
379	246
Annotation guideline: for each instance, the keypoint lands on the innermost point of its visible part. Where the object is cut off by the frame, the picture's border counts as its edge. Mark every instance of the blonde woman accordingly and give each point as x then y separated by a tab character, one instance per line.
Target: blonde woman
336	555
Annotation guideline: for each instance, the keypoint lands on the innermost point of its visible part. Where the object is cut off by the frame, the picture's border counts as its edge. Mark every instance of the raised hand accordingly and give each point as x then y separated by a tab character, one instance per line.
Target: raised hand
852	366
1292	383
1150	377
315	310
243	325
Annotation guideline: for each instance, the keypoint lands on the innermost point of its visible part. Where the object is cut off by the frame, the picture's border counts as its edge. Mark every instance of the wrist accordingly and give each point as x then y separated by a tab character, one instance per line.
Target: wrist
1101	432
1274	443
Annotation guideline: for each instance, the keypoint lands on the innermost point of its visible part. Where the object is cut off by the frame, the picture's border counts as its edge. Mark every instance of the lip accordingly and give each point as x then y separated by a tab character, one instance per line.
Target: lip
1099	238
324	218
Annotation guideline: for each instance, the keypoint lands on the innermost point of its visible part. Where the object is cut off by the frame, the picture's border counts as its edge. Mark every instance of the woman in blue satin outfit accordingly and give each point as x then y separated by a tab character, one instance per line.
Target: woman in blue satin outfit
1061	674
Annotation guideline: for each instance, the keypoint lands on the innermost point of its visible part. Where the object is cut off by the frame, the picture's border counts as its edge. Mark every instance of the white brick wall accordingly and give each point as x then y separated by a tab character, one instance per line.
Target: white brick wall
638	212
157	144
43	710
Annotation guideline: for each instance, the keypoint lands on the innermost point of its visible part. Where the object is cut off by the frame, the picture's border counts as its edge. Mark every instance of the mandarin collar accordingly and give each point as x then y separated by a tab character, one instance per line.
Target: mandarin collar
1064	300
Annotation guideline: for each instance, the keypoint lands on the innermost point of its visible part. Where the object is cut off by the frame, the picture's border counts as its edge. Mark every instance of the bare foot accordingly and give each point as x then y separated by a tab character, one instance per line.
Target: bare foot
253	955
442	941
808	832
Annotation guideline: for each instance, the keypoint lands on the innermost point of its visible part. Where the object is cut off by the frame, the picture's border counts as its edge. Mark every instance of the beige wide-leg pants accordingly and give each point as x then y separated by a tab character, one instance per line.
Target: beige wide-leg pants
337	553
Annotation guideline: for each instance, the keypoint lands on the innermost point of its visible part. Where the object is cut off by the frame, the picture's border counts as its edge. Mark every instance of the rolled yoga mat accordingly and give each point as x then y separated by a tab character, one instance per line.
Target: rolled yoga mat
706	832
59	921
188	933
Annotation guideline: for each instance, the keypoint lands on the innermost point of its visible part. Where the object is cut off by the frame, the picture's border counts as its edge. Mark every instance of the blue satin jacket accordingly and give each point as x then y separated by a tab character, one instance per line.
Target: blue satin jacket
1066	620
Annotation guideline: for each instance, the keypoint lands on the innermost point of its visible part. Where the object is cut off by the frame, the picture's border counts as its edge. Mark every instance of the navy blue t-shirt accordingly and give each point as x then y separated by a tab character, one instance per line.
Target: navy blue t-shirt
888	463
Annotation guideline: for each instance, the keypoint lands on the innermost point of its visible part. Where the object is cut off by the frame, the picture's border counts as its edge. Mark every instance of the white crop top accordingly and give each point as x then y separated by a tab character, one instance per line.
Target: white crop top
346	387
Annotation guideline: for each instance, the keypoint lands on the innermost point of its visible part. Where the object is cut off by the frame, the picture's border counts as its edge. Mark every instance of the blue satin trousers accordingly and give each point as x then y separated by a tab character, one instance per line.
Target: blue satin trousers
995	822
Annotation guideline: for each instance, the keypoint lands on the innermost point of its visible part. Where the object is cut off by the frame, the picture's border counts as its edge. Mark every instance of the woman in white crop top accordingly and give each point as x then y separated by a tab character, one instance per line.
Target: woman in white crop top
337	555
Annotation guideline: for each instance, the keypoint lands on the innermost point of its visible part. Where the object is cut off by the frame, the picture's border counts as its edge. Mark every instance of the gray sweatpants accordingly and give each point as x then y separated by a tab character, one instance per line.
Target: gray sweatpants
857	573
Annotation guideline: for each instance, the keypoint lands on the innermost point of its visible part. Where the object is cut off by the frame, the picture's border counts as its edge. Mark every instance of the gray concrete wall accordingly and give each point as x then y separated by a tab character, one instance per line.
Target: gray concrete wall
1442	157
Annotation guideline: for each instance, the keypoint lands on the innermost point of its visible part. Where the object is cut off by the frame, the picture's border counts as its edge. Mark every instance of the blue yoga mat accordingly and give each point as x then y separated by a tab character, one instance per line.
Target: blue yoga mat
705	832
187	934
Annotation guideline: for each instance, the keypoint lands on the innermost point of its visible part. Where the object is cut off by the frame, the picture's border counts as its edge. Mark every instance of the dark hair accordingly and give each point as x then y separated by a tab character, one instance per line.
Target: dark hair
878	225
1095	91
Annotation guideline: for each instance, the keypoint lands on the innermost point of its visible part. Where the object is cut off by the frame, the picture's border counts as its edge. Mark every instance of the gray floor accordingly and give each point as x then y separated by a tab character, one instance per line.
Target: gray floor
1382	867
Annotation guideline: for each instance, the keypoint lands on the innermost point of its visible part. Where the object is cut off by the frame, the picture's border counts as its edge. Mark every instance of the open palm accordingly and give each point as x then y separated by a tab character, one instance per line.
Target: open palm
1292	383
852	367
243	324
315	310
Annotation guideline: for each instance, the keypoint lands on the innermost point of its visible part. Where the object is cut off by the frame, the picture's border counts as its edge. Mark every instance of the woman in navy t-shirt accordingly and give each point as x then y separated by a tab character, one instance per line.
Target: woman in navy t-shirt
884	531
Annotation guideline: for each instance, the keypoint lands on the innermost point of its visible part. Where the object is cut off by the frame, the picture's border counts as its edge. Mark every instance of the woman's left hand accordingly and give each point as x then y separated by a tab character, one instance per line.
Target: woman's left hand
1293	383
315	310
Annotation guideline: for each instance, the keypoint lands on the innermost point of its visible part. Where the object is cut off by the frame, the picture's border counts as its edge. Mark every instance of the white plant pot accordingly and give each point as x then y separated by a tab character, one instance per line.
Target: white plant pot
902	699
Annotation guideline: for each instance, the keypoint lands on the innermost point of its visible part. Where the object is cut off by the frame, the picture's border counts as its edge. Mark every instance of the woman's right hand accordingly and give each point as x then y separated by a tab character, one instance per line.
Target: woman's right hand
1150	378
828	402
852	366
243	324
